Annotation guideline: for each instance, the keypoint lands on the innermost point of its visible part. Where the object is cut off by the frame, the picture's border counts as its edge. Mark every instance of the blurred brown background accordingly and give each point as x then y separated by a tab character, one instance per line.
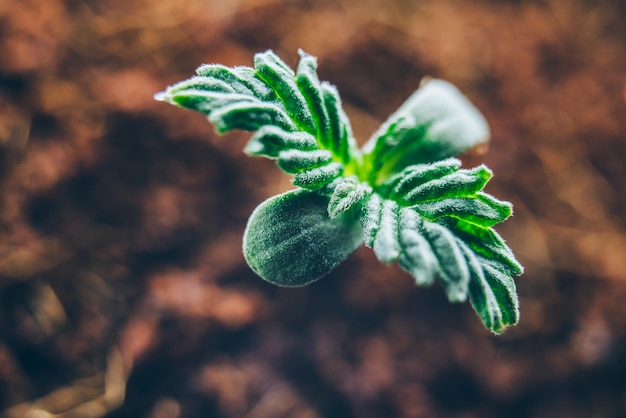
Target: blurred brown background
123	290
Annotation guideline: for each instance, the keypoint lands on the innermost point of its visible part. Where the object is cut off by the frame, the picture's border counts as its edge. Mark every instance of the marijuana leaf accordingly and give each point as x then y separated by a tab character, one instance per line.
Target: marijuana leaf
433	220
299	120
403	195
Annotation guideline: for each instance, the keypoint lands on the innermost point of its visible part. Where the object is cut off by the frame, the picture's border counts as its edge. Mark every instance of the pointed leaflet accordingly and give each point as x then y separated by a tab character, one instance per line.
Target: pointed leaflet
417	257
430	216
231	98
309	85
281	80
449	221
298	118
422	248
481	210
291	241
436	122
492	295
442	189
398	185
345	195
428	249
486	243
332	126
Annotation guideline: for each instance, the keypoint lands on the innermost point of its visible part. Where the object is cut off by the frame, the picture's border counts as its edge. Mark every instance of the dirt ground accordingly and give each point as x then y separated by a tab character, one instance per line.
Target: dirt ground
123	289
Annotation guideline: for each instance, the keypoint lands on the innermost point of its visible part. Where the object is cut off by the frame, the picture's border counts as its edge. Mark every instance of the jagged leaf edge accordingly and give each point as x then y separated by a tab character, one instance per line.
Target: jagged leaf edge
480	277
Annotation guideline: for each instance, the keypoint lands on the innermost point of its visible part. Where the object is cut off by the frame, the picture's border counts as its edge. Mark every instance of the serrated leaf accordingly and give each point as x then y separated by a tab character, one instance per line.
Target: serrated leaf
318	177
428	249
298	119
422	248
295	161
492	295
209	84
442	189
386	245
281	80
370	218
487	243
291	241
416	205
242	80
249	116
398	185
436	122
463	183
309	85
341	141
269	141
453	270
416	257
482	210
503	288
345	195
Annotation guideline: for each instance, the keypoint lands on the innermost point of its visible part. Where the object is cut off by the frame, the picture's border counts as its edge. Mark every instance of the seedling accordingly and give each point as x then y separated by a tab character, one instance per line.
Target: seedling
403	194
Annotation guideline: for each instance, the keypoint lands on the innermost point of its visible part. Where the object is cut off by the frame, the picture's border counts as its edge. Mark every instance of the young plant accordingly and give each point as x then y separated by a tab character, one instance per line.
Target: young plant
403	195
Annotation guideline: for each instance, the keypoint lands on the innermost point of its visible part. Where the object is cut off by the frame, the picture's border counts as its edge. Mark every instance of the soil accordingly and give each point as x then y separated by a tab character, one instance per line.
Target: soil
123	288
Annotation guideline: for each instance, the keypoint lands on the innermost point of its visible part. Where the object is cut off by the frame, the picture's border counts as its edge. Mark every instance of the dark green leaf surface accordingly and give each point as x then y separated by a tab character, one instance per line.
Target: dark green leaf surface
345	195
281	80
427	250
290	112
482	210
318	177
340	131
398	233
269	141
404	196
486	243
399	185
291	241
296	161
309	84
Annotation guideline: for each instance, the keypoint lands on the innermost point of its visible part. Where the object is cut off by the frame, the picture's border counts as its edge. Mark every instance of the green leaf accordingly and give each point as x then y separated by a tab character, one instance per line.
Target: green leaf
405	196
492	294
345	195
399	185
318	177
291	241
242	80
309	85
463	183
269	141
427	250
249	116
295	161
442	189
486	243
424	249
482	210
371	217
341	140
417	256
436	122
385	244
298	119
281	80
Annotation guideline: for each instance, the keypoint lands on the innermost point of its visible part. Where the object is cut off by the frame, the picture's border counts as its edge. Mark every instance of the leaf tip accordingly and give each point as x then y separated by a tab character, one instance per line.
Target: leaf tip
253	148
303	54
162	96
